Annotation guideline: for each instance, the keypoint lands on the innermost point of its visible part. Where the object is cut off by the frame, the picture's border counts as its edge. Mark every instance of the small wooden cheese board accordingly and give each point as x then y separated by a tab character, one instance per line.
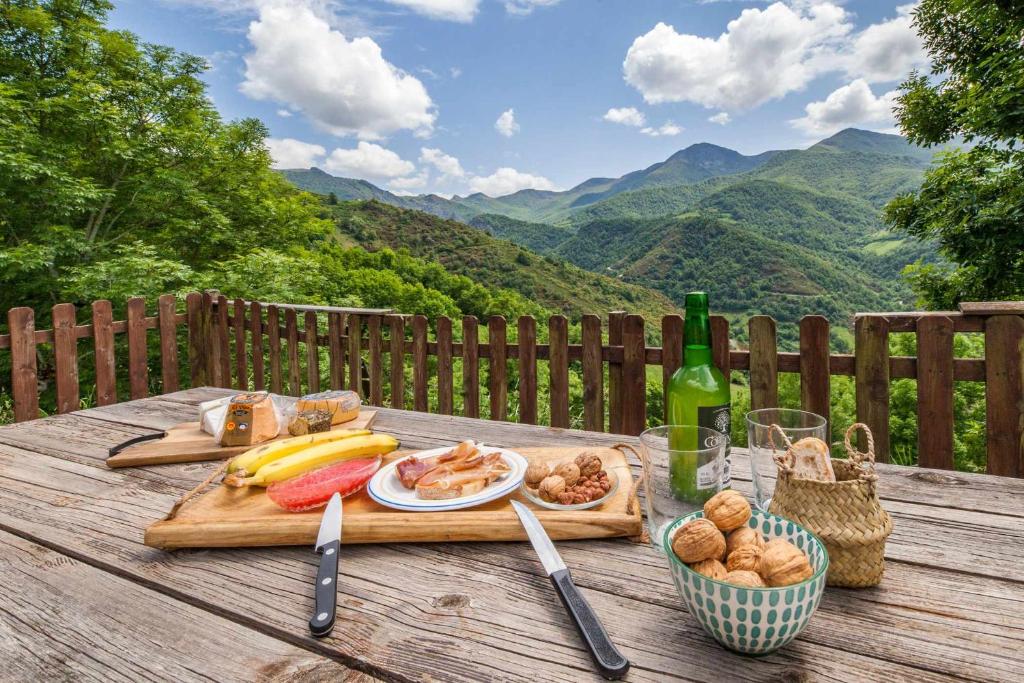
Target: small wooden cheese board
230	517
186	442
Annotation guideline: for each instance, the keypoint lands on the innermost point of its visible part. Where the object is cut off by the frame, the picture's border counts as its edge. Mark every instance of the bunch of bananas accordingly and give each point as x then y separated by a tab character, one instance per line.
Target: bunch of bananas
281	460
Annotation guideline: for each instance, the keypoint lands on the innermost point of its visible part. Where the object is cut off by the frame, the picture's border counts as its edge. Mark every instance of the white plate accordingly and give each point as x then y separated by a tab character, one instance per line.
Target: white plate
386	489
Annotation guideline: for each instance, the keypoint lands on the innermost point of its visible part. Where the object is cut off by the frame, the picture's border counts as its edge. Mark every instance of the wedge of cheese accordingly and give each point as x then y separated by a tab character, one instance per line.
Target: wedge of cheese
342	405
250	419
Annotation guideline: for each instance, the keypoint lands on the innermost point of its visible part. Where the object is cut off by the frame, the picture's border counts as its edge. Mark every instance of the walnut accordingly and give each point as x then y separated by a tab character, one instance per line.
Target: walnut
550	487
741	537
536	472
588	463
783	564
741	577
746	558
728	509
698	540
569	471
711	568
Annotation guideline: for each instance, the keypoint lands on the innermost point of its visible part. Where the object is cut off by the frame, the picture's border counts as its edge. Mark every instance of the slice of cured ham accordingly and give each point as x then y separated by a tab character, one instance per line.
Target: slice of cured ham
444	481
412	469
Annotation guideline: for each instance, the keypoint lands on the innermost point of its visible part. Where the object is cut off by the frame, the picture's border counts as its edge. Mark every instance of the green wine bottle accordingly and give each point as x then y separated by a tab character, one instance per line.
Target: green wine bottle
698	394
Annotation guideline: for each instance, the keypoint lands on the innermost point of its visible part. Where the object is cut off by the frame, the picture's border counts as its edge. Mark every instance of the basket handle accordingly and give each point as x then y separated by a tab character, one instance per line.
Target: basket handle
782	460
864	461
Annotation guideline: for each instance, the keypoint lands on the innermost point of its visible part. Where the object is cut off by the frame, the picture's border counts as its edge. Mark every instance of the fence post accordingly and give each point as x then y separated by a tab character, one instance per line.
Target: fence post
312	353
103	341
376	369
197	366
274	348
336	349
935	392
527	369
815	385
24	378
419	364
593	375
470	366
291	331
256	331
241	361
671	352
397	325
615	323
634	376
445	391
558	365
872	378
223	342
167	318
498	384
65	352
355	358
1004	394
138	370
764	363
720	345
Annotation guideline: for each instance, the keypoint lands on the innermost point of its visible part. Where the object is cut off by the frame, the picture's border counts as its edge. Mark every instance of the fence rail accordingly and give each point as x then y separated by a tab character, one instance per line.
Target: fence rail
253	345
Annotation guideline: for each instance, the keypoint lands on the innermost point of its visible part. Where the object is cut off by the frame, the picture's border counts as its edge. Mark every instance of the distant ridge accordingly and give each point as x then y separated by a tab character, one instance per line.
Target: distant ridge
693	166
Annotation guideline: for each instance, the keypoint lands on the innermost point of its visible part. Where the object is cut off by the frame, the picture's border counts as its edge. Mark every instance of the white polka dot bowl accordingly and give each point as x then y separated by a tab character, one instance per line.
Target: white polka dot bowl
752	621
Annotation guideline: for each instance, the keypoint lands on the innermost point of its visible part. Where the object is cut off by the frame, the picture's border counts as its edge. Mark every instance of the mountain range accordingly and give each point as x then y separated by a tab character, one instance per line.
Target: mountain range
784	232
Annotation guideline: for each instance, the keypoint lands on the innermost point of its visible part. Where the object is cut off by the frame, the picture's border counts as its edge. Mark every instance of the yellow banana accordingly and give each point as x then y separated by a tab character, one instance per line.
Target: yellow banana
249	462
317	456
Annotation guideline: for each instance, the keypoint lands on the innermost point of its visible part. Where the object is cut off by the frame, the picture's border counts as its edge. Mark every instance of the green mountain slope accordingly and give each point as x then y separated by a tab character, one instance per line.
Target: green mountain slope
539	237
465	250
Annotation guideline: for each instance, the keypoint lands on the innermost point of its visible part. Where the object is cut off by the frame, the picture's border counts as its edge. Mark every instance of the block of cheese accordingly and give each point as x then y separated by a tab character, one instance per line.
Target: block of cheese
310	422
250	419
342	405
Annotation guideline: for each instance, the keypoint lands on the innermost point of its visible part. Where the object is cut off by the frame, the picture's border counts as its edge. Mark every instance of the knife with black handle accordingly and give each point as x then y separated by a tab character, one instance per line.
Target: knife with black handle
328	545
606	656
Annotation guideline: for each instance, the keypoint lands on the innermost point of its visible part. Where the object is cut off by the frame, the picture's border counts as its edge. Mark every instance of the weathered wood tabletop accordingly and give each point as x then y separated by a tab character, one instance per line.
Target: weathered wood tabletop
82	598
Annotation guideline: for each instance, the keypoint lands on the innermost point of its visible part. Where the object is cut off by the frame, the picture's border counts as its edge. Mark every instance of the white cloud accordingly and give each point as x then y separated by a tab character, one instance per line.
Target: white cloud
506	124
344	86
627	116
404	186
368	161
292	153
762	55
455	71
449	10
721	118
445	164
284	113
508	180
886	51
850	105
667	129
527	6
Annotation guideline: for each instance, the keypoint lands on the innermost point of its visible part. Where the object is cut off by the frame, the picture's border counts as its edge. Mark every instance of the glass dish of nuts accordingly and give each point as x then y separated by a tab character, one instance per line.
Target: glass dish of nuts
576	483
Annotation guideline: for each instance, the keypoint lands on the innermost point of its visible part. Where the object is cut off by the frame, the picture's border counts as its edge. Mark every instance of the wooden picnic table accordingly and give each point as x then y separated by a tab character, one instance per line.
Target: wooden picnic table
81	597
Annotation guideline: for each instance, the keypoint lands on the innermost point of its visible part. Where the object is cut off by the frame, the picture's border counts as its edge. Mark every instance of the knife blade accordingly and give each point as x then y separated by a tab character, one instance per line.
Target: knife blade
608	659
328	545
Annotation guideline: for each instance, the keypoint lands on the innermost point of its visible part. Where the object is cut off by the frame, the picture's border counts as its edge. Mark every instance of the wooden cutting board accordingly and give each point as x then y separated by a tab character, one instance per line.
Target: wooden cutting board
186	442
231	517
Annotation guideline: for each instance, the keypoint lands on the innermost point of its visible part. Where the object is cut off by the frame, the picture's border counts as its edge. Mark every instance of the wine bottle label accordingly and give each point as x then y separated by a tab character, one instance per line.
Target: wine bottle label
719	418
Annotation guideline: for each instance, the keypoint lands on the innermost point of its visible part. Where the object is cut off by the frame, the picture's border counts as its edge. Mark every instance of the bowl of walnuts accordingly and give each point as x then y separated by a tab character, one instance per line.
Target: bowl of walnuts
751	579
573	484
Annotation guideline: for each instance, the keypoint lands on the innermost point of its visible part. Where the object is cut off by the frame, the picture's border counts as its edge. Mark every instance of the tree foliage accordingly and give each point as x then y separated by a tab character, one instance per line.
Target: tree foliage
972	202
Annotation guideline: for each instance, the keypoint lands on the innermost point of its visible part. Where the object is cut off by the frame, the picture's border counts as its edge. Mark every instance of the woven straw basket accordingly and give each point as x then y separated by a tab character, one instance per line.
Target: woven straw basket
845	514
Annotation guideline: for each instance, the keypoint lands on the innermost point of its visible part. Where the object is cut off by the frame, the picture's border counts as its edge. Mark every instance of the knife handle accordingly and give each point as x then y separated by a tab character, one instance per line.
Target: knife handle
326	590
608	659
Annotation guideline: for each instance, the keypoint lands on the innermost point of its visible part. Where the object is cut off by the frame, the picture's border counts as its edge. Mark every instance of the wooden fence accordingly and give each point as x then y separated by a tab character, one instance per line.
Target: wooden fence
253	345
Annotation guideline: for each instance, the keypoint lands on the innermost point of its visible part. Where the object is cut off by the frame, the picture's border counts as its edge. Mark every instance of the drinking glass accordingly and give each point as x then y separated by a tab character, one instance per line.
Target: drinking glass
683	467
764	444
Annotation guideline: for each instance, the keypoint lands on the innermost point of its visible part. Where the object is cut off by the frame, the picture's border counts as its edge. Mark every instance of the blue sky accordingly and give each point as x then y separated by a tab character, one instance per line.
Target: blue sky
455	96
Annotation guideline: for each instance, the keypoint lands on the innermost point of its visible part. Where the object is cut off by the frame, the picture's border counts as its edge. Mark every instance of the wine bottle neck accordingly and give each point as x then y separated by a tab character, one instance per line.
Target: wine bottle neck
697	338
